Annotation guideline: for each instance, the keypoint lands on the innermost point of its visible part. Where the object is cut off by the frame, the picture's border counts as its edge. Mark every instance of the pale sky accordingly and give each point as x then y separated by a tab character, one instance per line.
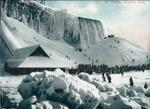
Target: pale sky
130	20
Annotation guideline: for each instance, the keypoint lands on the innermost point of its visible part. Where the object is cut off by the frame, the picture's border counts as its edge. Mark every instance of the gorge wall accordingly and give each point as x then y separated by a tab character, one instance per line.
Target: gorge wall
55	24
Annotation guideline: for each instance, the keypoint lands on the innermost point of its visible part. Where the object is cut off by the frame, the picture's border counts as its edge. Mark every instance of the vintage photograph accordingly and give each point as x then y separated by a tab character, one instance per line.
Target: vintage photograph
74	54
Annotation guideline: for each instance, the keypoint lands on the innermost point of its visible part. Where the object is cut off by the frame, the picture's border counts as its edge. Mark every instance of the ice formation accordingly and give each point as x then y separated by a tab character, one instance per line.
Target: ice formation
55	24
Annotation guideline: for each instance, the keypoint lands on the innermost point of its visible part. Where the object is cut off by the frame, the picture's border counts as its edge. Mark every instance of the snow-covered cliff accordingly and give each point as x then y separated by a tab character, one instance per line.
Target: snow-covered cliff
117	51
55	24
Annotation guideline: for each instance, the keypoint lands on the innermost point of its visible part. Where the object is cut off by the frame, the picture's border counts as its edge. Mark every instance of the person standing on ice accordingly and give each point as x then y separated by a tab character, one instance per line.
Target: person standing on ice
131	81
103	76
122	71
145	85
108	77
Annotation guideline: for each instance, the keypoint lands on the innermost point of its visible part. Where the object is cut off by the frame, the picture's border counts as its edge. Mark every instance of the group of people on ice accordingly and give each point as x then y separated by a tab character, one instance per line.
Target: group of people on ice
108	77
131	82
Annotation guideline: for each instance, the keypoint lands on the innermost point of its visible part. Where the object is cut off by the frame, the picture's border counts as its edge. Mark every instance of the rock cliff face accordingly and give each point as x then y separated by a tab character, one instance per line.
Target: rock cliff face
55	24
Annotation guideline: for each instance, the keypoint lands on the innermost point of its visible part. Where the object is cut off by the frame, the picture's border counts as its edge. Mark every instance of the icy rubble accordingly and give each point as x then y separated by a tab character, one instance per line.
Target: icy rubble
102	87
31	103
9	97
119	102
147	92
126	91
47	88
60	87
137	94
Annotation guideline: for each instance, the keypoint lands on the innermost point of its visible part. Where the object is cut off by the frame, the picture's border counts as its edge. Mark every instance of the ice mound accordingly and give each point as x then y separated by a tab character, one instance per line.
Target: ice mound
101	86
147	92
85	77
143	101
127	91
60	87
9	97
119	102
32	103
136	94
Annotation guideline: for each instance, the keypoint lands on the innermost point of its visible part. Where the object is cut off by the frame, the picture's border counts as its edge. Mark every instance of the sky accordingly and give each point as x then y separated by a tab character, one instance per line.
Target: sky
127	19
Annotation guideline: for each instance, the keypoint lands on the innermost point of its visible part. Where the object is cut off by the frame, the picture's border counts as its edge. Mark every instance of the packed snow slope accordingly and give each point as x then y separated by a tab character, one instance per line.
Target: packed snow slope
117	51
55	24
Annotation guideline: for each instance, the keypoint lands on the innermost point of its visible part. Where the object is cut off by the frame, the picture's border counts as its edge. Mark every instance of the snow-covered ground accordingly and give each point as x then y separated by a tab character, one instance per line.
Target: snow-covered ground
82	91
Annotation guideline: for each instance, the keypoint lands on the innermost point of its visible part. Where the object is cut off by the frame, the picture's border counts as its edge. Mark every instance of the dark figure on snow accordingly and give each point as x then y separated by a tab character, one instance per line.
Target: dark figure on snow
108	77
131	81
145	85
103	76
122	73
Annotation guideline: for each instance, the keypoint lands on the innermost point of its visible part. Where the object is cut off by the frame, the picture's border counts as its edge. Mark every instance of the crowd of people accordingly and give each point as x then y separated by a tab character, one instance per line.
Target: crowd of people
89	68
